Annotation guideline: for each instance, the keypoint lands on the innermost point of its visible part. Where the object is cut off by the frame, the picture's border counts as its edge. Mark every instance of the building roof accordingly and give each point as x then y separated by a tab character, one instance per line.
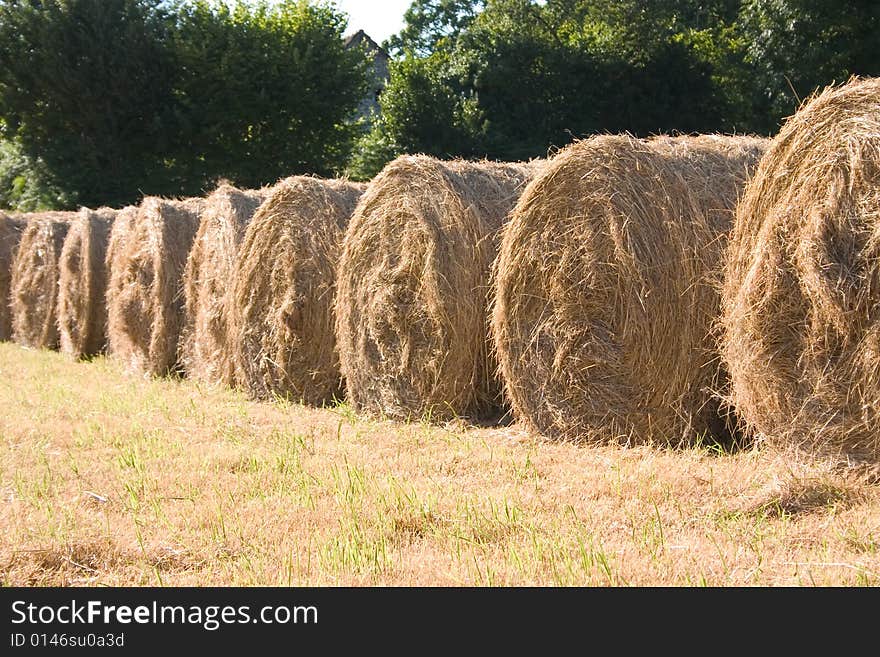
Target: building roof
362	37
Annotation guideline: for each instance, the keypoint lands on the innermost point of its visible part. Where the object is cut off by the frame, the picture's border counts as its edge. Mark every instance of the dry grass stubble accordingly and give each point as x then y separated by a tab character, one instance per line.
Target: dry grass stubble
116	480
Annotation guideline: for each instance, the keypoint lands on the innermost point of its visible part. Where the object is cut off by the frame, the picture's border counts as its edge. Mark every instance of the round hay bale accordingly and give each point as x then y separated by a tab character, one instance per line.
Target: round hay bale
606	288
144	298
82	285
412	298
35	273
11	229
801	293
205	344
122	224
282	308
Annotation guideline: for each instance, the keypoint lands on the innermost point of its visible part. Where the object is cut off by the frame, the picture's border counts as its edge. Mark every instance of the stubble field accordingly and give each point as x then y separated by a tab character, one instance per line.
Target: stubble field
108	479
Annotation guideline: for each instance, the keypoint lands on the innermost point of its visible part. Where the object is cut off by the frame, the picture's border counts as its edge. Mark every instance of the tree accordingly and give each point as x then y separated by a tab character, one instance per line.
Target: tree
265	90
522	77
528	82
25	183
372	151
87	87
519	77
121	98
798	46
432	25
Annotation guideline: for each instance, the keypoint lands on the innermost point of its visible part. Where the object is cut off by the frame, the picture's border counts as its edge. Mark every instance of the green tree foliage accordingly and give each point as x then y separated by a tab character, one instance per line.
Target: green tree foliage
85	86
102	101
120	98
424	110
266	90
799	46
372	151
25	182
547	73
522	77
432	25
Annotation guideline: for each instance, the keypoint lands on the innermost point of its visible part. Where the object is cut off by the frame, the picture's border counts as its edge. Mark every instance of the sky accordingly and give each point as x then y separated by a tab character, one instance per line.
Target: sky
378	18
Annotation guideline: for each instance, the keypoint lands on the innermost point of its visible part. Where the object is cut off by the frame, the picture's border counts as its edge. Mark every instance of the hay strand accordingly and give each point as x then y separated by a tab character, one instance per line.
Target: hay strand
606	288
284	290
35	273
413	284
144	298
82	291
801	294
11	229
206	352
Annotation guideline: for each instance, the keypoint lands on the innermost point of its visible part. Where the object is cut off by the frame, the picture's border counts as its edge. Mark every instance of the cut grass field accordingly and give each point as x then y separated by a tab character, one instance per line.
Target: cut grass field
108	479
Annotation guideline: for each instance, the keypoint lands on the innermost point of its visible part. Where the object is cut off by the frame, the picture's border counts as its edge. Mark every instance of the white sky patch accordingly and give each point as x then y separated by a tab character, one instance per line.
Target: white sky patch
378	18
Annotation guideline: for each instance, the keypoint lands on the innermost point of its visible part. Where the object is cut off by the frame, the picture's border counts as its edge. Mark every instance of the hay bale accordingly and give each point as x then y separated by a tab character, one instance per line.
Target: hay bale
606	288
413	285
801	294
11	229
122	224
82	285
144	298
205	345
34	285
282	308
